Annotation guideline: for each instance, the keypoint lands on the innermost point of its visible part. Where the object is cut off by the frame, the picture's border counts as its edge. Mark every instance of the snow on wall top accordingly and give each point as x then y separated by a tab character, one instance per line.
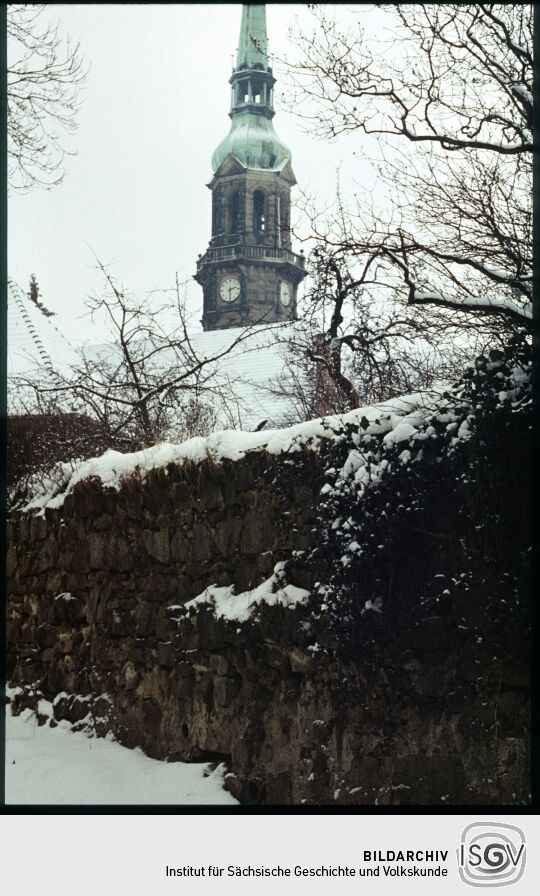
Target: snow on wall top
394	416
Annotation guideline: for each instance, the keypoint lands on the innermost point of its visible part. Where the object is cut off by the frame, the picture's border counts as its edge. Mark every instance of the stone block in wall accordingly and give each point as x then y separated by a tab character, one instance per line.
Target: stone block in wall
202	543
259	532
68	506
245	573
46	635
181	494
151	715
97	544
220	664
47	557
183	589
11	560
229	487
157	544
131	676
265	564
17	589
24	564
67	609
160	585
123	554
67	642
300	538
179	546
145	619
21	529
226	689
222	579
70	532
71	707
13	630
249	500
76	555
227	534
157	501
132	504
38	528
88	500
244	478
166	655
209	494
165	624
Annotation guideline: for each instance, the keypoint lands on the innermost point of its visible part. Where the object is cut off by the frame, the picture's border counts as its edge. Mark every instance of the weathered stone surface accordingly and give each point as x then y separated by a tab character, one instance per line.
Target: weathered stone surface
227	535
209	494
157	544
96	607
202	544
179	546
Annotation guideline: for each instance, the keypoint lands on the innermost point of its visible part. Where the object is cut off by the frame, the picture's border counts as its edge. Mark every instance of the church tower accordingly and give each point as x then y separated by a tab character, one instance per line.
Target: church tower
249	273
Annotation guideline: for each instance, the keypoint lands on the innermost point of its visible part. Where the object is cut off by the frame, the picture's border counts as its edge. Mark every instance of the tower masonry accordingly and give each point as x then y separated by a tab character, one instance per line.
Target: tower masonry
249	273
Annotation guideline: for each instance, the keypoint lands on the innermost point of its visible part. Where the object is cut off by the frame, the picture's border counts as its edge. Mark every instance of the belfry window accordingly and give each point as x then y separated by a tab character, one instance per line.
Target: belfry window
259	220
236	212
284	213
257	90
243	91
217	212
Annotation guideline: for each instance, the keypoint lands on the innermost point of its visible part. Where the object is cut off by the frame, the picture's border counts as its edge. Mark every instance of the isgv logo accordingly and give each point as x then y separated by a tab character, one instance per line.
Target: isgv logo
491	854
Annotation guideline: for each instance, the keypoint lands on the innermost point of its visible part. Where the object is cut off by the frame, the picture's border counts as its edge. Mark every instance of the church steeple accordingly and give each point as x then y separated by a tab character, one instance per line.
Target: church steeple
249	272
252	80
253	46
252	138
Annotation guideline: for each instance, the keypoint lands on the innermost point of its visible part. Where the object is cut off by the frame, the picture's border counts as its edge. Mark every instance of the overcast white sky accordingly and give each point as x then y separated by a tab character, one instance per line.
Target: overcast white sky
155	107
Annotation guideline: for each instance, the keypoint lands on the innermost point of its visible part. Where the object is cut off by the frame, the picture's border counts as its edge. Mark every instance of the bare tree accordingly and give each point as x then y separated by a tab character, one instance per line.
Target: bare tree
44	76
451	106
147	381
359	344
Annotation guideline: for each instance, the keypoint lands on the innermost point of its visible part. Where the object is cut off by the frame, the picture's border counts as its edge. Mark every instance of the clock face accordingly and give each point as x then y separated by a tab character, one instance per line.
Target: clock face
285	293
230	289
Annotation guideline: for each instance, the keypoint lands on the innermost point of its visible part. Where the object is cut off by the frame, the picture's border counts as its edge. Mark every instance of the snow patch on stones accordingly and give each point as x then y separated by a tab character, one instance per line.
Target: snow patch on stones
225	604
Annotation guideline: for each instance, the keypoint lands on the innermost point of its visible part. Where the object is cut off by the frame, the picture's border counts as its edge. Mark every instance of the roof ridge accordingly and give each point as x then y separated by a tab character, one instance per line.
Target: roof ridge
16	293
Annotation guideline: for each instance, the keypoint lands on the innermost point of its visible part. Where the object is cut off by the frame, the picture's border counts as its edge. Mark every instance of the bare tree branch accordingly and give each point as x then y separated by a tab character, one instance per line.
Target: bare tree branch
44	77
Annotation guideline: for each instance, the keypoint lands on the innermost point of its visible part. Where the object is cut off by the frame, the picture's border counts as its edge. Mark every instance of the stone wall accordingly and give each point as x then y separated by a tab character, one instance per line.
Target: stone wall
427	716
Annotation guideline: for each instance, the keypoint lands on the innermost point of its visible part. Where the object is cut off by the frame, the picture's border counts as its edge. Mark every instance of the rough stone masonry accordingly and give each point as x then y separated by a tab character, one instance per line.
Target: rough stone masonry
90	627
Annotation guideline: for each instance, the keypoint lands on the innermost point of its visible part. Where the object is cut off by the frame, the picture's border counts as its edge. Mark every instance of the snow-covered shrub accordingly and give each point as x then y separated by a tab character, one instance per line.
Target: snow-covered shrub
411	520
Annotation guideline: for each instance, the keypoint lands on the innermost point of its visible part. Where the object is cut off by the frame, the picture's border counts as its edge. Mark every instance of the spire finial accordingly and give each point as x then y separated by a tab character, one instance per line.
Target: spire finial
253	46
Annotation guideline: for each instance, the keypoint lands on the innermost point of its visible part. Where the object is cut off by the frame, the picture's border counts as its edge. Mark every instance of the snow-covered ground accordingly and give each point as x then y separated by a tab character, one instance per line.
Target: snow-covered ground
55	766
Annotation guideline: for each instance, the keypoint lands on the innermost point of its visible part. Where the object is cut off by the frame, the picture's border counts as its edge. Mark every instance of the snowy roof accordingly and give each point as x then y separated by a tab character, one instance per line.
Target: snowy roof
250	369
243	378
34	342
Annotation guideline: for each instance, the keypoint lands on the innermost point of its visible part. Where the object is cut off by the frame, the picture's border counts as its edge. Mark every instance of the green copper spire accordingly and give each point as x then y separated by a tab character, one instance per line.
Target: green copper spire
252	139
253	46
